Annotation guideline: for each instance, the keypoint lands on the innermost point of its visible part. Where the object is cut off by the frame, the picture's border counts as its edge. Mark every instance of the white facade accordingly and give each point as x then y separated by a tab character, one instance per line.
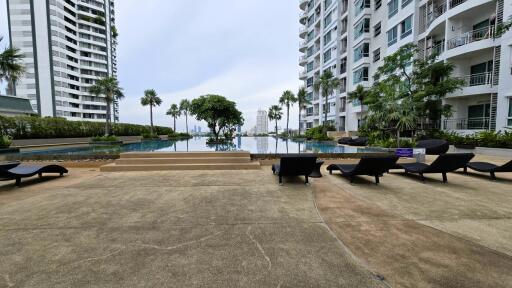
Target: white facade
352	37
68	45
261	122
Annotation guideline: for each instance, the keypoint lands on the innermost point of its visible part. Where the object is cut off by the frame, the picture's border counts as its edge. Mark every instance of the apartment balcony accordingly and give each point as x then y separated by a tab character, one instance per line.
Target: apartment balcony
303	75
303	32
303	46
437	49
438	10
480	123
303	60
477	79
455	3
471	37
303	17
303	4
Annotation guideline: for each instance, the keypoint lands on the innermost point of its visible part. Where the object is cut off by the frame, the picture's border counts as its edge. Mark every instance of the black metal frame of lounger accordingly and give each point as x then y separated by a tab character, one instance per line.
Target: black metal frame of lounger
368	165
295	165
19	172
444	164
489	168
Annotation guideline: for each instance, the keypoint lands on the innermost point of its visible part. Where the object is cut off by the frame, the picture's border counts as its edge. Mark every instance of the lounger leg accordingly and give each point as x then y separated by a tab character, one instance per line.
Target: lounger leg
307	180
40	175
466	169
445	178
61	174
280	180
422	177
18	182
330	172
493	176
377	179
351	179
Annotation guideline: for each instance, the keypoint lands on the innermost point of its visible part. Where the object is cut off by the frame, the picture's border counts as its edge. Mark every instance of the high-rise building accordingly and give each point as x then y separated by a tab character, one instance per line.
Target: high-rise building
352	37
68	45
261	122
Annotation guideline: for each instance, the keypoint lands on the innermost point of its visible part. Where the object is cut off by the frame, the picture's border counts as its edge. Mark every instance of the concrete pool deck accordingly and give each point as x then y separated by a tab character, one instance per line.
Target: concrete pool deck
240	229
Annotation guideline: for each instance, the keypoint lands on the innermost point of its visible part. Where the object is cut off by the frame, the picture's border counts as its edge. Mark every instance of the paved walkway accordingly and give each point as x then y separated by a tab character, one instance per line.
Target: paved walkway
170	229
241	229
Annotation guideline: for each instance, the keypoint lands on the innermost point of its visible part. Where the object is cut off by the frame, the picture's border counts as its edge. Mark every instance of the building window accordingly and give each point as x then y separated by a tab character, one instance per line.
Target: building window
509	120
328	19
309	82
311	35
343	65
311	50
360	75
327	38
392	36
405	3
362	27
392	8
377	29
378	3
360	6
406	27
376	55
361	51
310	67
327	55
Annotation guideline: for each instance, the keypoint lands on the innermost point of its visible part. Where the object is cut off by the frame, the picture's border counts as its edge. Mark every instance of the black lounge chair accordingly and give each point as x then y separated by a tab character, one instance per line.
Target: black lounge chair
8	165
295	165
443	164
22	171
368	165
489	168
434	146
361	141
344	140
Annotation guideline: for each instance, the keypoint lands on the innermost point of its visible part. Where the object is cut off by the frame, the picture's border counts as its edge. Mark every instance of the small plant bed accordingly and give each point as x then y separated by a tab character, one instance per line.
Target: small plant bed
179	136
218	141
319	133
106	141
150	137
5	143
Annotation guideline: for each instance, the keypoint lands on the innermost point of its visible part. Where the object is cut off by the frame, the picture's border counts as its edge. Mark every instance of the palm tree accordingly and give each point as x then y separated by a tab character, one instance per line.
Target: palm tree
325	85
360	94
185	108
150	99
302	99
11	66
107	87
287	99
174	112
275	113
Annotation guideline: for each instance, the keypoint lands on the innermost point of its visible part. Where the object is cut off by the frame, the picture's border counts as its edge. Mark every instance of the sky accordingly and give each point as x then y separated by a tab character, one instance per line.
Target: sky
244	50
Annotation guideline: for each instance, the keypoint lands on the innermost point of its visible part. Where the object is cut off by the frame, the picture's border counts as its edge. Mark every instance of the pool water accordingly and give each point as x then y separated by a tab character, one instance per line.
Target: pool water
255	145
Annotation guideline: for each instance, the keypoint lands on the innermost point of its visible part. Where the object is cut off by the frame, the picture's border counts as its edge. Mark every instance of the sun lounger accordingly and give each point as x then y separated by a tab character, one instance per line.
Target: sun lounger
295	165
489	168
368	165
21	171
434	146
444	164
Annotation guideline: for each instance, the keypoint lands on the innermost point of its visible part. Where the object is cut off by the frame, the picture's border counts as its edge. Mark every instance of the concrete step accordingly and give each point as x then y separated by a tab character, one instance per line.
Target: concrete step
180	167
185	154
206	160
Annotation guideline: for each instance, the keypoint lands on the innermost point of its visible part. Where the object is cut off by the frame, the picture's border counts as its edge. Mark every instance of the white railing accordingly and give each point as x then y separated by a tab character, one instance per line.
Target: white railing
436	49
479	123
436	12
455	3
471	36
477	79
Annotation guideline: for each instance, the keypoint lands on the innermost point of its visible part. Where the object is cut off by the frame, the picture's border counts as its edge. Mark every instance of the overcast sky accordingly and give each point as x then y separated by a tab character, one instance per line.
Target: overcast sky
244	50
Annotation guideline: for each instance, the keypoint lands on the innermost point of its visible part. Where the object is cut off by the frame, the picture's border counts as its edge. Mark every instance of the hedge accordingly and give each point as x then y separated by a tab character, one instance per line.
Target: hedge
33	127
491	139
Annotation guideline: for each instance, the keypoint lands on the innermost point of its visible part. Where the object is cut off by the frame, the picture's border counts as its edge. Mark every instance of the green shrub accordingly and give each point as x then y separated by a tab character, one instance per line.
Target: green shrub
110	138
34	127
150	136
179	136
5	142
318	134
489	139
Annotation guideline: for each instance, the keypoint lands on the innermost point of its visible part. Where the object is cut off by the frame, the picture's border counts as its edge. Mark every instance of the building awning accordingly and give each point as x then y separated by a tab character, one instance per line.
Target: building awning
15	105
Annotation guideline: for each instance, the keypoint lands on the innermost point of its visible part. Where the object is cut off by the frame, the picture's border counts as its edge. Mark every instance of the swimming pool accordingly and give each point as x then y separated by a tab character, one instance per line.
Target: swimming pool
255	145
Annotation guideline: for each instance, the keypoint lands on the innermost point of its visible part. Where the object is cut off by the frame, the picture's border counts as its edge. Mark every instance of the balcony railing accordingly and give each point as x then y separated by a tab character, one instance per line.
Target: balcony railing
481	123
436	12
455	3
436	49
471	36
477	79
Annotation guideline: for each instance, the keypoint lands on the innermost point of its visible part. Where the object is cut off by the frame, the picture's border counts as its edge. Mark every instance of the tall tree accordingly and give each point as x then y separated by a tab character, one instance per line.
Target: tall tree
287	100
275	113
303	101
174	112
185	109
218	112
359	95
11	66
109	89
325	85
151	99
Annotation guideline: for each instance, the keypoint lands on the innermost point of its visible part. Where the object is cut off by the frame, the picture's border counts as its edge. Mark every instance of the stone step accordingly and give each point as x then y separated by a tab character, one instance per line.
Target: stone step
180	167
185	154
205	160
